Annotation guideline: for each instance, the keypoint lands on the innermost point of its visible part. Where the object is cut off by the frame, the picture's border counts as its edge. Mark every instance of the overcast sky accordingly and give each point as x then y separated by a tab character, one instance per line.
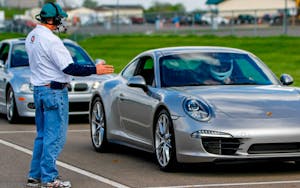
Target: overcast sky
189	4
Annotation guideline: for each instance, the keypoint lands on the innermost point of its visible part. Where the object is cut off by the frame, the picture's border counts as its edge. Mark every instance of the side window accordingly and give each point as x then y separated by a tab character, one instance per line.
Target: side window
146	69
19	56
4	52
129	71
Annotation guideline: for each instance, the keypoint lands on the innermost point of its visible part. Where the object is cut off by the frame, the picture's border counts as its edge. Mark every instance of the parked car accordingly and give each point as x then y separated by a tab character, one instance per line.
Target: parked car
198	104
278	19
16	92
214	19
244	19
137	20
122	21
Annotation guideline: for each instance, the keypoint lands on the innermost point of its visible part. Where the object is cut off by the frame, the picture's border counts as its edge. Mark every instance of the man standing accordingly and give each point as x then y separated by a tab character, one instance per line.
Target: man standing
51	64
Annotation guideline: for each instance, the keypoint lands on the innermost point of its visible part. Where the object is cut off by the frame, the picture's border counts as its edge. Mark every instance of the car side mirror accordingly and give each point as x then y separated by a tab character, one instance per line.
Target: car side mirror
286	79
138	81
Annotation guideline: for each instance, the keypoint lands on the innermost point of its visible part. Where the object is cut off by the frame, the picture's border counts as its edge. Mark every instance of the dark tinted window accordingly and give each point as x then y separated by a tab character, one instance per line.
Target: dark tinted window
19	56
4	49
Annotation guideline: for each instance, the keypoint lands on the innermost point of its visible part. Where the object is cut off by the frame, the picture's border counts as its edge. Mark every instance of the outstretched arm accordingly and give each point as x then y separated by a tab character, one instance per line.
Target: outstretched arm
75	69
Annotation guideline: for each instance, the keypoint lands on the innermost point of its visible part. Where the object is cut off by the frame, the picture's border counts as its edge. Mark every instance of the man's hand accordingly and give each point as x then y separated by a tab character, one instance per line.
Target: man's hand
104	69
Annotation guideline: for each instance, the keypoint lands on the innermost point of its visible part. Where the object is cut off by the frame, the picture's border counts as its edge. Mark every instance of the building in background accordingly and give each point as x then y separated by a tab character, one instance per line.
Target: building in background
21	3
258	7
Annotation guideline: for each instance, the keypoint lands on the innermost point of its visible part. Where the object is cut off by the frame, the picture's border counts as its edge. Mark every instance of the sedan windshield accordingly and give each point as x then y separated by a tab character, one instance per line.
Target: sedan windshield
193	69
19	55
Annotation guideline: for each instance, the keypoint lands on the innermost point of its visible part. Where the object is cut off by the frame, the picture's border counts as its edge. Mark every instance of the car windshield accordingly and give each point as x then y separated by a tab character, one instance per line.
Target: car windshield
19	56
193	69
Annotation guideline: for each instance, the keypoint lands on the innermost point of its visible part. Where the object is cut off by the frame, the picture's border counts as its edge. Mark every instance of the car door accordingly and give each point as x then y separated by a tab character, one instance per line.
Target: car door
4	57
136	107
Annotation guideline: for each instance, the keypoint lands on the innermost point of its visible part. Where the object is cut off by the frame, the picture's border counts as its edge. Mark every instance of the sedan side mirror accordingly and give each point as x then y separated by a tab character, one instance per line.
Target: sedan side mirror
138	81
286	79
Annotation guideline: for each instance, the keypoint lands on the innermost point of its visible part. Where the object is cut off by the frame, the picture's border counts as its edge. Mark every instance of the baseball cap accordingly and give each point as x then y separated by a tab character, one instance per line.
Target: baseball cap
48	11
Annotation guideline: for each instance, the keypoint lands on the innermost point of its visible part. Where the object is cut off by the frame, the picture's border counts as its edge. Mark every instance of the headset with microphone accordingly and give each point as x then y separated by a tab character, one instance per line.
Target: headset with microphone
57	19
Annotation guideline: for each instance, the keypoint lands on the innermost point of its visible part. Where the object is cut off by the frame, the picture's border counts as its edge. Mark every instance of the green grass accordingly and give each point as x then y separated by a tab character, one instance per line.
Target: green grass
10	35
281	54
10	12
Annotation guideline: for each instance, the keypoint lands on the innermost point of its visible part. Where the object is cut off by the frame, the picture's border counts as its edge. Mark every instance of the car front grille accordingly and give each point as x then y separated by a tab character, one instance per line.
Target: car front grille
267	148
221	146
78	106
78	87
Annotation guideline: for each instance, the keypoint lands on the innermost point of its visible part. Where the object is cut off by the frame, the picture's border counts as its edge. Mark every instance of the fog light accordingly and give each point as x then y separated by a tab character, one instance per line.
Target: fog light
209	133
31	105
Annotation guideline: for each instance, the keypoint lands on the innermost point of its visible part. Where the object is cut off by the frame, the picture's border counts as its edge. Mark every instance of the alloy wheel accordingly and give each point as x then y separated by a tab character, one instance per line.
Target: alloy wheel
98	127
164	141
11	109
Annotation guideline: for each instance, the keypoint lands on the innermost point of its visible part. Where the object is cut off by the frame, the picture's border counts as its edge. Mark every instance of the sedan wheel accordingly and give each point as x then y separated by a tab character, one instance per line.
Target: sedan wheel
11	108
165	150
98	126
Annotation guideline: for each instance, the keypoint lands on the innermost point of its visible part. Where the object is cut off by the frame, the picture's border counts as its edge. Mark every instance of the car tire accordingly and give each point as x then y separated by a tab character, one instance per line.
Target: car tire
98	126
164	142
12	114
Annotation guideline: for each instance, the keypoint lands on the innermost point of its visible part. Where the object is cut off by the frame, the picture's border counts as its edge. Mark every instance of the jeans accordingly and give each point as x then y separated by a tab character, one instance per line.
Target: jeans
51	119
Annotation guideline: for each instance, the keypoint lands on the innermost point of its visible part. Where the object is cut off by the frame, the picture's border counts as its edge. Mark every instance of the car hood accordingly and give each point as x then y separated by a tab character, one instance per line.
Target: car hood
249	101
93	77
22	72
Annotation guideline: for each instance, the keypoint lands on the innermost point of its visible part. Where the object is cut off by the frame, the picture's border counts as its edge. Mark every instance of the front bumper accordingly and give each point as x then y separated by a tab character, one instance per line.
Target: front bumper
250	139
78	104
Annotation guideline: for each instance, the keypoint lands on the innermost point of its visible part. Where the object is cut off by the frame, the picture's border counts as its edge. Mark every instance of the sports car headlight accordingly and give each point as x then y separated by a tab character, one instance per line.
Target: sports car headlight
197	109
26	88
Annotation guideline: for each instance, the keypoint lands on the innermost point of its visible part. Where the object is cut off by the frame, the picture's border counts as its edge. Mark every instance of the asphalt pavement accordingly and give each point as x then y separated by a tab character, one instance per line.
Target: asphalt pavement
124	167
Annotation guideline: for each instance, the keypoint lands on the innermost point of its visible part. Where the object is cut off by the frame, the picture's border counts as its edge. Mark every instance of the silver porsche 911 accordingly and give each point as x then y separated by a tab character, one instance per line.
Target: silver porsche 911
198	104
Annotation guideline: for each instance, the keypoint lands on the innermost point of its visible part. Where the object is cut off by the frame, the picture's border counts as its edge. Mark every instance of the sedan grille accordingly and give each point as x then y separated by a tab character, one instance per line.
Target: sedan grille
221	146
80	87
274	148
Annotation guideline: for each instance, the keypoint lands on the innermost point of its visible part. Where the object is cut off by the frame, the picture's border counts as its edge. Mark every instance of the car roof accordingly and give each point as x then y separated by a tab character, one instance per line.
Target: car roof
183	49
14	40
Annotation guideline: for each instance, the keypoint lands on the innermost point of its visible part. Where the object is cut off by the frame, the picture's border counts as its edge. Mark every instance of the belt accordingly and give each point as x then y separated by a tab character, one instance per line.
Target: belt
56	85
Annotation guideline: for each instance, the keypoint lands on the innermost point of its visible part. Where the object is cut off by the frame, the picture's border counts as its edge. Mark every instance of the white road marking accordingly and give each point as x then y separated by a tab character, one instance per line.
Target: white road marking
69	167
232	184
33	131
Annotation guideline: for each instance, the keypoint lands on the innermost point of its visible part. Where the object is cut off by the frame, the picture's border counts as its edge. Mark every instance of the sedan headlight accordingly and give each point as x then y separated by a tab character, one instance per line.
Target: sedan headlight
95	85
197	109
26	88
